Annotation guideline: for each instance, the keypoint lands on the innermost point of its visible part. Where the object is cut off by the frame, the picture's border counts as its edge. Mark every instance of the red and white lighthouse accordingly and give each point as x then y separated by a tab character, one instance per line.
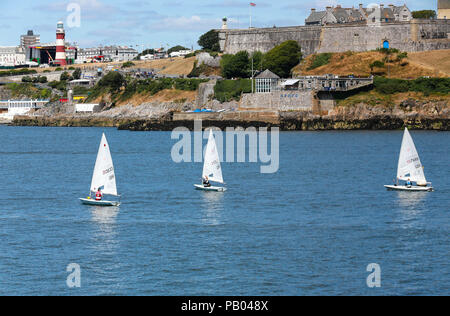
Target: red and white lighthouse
60	57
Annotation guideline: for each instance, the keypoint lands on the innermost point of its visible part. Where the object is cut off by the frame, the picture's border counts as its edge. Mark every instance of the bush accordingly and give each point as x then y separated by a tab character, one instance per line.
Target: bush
388	51
402	56
128	64
190	55
424	14
42	79
77	74
112	81
17	72
424	85
58	69
320	60
236	66
376	64
228	90
65	76
27	79
59	85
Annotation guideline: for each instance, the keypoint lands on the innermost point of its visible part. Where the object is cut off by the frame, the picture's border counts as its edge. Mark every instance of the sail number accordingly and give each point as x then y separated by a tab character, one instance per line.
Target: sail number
108	170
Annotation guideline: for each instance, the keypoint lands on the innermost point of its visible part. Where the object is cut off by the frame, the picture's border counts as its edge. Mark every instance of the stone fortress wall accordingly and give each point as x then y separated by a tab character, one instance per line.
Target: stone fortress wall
413	36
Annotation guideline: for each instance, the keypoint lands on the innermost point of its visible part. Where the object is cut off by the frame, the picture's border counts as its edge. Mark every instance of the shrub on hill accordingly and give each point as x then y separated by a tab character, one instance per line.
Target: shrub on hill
320	60
236	66
424	14
229	90
17	72
425	85
128	64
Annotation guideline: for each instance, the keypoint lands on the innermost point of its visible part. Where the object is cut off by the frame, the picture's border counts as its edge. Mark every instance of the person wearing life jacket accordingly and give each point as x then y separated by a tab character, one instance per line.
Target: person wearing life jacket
409	183
206	182
99	195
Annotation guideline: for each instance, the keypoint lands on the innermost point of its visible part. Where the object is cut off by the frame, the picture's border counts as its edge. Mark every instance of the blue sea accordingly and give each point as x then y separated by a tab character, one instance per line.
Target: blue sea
312	228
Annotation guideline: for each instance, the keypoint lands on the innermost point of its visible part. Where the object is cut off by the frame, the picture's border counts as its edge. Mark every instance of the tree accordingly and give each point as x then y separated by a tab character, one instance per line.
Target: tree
283	58
76	74
64	76
258	58
424	14
113	80
210	41
236	66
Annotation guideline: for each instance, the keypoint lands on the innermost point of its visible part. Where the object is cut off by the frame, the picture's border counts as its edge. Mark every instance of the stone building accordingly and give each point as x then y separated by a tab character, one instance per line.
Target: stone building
443	9
340	15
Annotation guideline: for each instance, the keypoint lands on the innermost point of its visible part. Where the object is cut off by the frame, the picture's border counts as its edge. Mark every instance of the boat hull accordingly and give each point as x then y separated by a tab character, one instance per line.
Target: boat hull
210	189
410	189
99	203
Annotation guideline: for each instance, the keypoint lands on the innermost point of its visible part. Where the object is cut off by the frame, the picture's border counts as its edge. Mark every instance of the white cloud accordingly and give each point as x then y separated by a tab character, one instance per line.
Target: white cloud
182	23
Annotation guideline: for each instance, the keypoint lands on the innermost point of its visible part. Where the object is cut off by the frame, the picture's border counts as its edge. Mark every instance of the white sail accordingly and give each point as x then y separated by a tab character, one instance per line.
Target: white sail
212	168
104	176
409	165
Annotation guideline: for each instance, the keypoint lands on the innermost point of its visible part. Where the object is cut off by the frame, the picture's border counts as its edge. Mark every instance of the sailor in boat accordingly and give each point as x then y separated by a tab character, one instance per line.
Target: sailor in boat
206	182
99	195
409	183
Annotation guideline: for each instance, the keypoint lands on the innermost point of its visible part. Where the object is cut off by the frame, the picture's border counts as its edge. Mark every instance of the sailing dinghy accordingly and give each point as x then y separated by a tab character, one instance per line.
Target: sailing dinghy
103	177
410	168
211	168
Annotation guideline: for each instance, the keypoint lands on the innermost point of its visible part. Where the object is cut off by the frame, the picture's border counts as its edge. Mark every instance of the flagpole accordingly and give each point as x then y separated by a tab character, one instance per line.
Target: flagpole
250	13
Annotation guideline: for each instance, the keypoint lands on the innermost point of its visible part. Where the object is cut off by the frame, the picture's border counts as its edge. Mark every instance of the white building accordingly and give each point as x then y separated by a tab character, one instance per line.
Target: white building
11	56
181	53
107	53
19	107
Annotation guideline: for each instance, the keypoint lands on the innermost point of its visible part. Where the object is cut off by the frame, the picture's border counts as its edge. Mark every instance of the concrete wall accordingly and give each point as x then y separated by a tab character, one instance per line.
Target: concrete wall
279	100
249	116
51	76
408	36
417	35
205	93
233	41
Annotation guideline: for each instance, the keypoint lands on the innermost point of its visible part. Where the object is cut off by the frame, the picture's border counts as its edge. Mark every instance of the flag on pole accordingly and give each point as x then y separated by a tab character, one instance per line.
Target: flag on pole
253	4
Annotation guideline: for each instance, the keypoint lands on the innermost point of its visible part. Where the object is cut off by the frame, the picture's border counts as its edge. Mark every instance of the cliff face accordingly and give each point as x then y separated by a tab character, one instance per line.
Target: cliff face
409	113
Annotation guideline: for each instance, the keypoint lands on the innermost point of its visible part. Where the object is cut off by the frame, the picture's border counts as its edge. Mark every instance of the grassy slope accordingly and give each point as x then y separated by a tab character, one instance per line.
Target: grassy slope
433	64
172	66
375	98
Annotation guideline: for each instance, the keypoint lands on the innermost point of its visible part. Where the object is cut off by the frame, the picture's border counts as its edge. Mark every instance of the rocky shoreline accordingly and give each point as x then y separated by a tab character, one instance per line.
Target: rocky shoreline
167	116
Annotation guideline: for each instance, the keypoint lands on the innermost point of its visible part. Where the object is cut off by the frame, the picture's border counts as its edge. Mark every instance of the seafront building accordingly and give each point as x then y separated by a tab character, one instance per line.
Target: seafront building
107	53
10	108
11	56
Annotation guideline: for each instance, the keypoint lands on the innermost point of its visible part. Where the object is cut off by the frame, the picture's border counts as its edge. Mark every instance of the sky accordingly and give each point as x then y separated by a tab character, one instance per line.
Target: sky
156	23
